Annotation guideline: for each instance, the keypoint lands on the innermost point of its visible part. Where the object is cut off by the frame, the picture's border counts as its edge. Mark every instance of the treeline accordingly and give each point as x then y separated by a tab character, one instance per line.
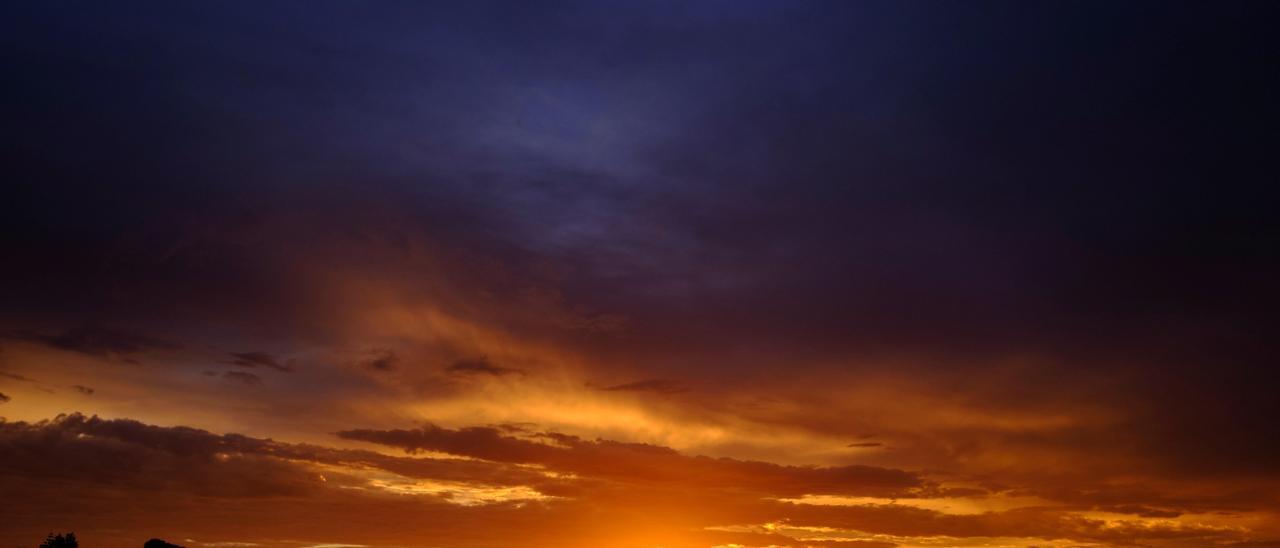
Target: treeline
69	541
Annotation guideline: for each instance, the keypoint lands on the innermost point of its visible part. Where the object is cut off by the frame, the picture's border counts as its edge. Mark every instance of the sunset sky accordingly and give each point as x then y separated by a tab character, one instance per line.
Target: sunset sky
845	274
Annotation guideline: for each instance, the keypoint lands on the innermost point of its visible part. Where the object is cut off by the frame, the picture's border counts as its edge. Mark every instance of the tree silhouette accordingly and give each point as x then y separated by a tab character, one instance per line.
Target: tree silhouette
60	541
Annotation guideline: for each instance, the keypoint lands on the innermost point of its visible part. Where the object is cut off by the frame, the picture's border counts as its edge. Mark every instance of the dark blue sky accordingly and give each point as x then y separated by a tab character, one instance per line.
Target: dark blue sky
987	165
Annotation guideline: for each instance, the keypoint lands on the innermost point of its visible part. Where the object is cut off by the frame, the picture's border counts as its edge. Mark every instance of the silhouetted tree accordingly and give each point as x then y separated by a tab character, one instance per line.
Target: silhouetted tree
157	543
60	541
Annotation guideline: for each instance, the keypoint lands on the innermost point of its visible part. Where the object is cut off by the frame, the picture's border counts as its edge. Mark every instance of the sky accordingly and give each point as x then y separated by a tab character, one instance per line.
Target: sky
336	274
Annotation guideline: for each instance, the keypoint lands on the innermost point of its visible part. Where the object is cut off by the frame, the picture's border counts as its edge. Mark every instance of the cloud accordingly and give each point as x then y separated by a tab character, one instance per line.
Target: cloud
141	456
132	455
258	359
83	389
635	490
481	366
4	398
242	377
847	543
644	463
98	341
383	362
16	377
904	524
865	444
1139	510
659	386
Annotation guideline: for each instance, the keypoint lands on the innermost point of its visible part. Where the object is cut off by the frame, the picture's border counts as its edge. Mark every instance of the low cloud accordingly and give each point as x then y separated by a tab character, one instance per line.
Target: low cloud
242	377
382	362
1139	510
98	341
644	463
259	359
132	454
657	386
83	389
481	366
16	377
866	444
242	478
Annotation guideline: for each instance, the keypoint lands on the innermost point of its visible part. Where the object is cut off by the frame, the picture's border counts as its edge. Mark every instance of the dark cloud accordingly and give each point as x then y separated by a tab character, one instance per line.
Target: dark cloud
865	444
636	462
105	459
481	366
1044	523
383	362
16	377
852	544
127	453
242	377
660	386
258	359
98	450
83	389
4	398
1139	510
516	427
896	245
99	342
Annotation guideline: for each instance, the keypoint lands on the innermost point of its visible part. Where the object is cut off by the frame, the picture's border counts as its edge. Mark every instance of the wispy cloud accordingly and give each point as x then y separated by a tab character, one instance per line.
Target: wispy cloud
259	359
481	366
242	377
98	341
660	386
